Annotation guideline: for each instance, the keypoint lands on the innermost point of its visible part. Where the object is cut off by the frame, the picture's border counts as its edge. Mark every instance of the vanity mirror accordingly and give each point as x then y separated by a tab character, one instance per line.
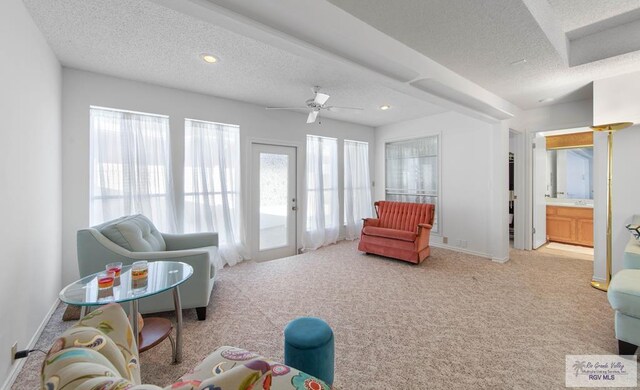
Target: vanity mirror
570	173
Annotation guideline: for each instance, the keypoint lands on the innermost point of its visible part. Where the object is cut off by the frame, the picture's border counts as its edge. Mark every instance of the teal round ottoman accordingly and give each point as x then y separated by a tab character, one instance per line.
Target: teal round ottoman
308	347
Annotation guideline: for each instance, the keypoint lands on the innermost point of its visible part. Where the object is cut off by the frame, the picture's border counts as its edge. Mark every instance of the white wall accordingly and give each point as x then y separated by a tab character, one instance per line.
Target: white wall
616	100
82	89
498	181
469	169
30	180
558	116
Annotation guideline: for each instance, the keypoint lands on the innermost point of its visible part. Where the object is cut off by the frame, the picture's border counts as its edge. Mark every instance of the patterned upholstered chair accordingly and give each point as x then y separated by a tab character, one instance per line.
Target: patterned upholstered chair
401	231
132	238
99	352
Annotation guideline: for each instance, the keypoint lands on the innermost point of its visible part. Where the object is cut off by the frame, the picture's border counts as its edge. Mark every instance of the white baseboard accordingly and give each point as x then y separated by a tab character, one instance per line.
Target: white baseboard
461	250
469	252
17	366
501	260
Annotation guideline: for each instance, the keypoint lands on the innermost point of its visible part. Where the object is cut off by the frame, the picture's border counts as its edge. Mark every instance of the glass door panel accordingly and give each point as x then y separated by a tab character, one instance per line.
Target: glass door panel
274	200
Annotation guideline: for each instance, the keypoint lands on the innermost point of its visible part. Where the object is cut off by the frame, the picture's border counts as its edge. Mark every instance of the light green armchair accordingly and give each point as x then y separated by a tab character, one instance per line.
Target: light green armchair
624	297
133	238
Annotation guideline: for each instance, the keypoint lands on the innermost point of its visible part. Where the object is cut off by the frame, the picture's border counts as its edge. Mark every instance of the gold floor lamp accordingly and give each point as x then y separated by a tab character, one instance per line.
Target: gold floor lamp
610	129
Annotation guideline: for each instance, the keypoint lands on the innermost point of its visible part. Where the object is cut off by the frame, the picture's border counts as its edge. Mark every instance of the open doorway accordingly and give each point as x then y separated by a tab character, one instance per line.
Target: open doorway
563	193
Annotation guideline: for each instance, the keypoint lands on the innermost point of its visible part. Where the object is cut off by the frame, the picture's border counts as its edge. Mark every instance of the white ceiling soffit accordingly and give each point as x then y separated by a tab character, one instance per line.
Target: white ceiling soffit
585	31
605	39
601	39
446	92
487	41
324	32
574	14
144	41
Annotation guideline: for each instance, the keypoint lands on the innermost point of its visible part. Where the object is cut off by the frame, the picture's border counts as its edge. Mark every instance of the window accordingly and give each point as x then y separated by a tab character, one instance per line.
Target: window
412	173
130	169
212	185
323	214
357	187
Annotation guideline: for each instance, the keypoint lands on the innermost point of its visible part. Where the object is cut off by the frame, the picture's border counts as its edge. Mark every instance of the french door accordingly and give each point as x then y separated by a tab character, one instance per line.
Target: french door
274	201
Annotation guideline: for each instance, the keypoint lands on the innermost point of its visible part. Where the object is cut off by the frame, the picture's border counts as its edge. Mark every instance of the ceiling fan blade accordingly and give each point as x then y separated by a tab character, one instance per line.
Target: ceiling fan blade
338	108
287	108
321	98
312	116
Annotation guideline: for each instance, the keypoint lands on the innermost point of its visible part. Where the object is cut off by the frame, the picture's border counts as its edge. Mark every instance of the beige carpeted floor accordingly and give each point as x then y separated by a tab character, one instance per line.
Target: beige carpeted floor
455	321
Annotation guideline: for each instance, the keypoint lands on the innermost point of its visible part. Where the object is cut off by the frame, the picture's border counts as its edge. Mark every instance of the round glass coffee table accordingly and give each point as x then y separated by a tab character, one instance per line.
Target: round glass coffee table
162	276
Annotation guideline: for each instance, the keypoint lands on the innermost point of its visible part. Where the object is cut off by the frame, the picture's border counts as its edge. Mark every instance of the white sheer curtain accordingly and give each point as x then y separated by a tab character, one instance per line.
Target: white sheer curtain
323	213
130	167
212	186
357	187
412	173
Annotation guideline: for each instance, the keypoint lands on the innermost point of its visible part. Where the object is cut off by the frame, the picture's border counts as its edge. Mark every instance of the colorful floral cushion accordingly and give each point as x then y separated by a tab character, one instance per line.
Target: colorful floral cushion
234	368
100	353
99	349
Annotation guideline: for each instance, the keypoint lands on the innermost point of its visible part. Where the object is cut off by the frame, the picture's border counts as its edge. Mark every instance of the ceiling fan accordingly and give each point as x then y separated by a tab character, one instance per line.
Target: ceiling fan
316	104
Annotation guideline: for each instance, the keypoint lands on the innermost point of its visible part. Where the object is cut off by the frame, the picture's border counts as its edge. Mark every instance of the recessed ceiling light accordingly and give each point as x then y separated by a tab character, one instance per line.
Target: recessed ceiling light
385	107
547	100
209	58
519	62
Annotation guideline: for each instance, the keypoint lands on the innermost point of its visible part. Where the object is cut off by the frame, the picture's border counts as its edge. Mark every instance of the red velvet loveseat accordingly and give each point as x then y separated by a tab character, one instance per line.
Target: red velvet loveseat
401	231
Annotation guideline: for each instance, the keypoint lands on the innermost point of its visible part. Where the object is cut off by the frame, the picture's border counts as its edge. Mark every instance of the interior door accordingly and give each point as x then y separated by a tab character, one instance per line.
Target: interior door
539	192
274	201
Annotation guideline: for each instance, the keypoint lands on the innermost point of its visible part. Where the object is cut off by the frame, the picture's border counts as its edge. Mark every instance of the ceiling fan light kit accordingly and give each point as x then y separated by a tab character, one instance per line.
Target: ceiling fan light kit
312	116
316	104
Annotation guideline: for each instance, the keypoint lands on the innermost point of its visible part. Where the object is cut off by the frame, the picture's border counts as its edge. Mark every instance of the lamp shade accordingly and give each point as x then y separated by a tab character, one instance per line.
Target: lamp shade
612	126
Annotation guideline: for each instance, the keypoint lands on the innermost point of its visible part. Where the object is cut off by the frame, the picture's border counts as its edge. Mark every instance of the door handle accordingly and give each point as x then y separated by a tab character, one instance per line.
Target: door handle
294	208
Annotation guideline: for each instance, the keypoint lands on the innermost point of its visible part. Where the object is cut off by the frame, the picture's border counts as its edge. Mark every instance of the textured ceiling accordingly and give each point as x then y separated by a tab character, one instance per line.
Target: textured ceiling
574	14
480	39
144	41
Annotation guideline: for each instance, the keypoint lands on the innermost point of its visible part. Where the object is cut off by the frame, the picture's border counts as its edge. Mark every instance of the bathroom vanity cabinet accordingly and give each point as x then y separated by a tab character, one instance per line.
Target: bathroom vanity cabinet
570	224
